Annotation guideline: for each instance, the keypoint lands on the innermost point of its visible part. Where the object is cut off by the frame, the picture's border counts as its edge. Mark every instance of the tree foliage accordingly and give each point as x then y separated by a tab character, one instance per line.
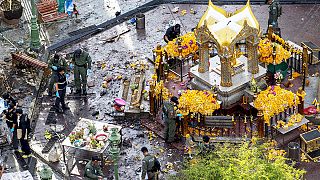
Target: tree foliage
246	161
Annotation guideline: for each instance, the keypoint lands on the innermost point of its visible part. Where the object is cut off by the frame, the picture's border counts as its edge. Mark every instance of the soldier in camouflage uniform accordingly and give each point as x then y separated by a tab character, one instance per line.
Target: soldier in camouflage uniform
93	170
54	64
82	68
148	166
169	116
274	12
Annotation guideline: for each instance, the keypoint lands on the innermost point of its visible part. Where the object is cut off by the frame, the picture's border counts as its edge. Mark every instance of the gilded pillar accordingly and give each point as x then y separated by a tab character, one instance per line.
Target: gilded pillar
252	46
226	70
151	98
204	58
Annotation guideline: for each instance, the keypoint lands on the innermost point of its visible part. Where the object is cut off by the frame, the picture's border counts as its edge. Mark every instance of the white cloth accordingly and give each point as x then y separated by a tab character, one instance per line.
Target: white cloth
24	175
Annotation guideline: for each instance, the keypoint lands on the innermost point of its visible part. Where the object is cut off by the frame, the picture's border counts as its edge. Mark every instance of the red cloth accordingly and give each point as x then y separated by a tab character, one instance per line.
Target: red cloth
310	110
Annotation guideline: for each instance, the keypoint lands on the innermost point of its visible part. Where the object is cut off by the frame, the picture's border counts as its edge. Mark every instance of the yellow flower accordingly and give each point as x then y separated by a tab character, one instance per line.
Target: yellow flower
265	48
272	102
194	101
188	44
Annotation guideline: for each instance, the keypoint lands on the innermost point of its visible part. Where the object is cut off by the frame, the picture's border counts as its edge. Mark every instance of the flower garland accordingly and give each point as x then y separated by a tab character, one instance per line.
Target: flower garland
274	100
188	44
265	48
294	118
194	101
160	89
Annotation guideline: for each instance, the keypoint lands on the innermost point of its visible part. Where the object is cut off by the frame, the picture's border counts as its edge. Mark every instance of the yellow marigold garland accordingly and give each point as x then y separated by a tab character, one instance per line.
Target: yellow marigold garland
188	43
265	49
160	89
274	100
194	101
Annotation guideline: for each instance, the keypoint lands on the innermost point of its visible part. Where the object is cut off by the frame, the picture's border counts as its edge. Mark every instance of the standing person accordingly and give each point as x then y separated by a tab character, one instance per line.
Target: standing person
82	68
61	85
93	170
172	33
75	10
23	131
169	117
10	117
55	63
150	166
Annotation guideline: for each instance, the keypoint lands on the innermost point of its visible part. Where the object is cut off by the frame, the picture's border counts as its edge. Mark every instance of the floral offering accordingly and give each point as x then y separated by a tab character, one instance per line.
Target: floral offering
188	45
266	47
194	101
274	100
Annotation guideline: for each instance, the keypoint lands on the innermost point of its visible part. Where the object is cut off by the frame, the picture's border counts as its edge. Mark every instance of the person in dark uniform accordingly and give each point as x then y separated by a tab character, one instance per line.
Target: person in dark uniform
23	130
55	63
10	117
150	165
60	85
93	170
172	33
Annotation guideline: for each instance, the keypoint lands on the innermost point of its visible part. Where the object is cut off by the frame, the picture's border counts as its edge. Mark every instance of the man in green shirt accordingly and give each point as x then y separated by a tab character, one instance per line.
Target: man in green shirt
169	116
82	68
54	64
93	170
150	166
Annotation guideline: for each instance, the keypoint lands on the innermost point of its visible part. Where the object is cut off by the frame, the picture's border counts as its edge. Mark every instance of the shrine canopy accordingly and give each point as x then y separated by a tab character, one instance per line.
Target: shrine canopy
225	26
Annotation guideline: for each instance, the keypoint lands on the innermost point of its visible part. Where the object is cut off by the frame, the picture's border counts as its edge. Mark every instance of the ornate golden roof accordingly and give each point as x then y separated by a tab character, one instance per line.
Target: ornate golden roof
225	26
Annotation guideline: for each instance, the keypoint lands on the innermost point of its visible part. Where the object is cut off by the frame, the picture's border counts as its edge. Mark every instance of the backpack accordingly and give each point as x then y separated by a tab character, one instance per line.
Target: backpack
156	167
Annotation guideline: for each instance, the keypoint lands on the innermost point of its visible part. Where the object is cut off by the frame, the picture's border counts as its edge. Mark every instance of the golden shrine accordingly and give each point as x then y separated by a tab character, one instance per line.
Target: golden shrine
233	71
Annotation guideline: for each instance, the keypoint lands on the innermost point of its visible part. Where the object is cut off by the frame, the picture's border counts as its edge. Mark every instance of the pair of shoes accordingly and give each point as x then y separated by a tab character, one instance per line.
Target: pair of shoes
26	156
20	151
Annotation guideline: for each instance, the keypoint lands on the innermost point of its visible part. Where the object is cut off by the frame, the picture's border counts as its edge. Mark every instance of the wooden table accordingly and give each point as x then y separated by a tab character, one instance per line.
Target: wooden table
100	151
307	138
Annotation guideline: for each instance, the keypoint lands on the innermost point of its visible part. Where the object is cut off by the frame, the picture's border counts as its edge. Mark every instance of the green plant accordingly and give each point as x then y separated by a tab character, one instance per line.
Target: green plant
248	161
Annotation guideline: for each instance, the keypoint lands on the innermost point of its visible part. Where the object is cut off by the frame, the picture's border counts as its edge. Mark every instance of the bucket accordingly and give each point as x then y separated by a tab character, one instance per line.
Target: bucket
140	24
294	151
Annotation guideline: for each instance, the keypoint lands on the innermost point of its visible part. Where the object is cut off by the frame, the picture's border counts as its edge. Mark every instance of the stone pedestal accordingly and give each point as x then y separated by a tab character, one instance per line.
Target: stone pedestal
228	95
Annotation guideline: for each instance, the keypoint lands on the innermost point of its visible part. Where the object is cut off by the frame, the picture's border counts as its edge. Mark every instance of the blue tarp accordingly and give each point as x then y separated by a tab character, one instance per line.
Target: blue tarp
69	7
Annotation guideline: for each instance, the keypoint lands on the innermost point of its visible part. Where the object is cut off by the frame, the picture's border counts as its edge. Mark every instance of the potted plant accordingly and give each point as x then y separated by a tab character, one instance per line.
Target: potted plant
12	9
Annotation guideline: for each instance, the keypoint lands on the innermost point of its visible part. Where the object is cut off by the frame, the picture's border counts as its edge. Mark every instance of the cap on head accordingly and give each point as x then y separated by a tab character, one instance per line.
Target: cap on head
5	96
56	56
77	52
144	149
95	158
174	99
19	111
205	139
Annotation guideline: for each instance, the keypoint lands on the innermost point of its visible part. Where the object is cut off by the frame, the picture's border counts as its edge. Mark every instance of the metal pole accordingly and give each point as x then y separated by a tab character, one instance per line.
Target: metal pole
35	37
